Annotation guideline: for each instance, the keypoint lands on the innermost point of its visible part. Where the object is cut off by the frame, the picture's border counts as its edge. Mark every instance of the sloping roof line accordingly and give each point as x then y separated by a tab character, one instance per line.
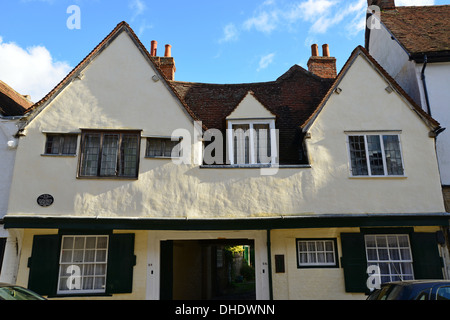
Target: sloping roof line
122	26
429	121
12	103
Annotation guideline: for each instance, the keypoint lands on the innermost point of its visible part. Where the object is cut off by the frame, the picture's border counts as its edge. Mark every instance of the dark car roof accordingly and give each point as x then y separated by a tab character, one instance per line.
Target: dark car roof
410	289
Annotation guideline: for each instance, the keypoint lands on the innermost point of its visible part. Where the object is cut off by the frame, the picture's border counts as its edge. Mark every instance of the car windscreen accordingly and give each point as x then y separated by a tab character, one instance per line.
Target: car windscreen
17	293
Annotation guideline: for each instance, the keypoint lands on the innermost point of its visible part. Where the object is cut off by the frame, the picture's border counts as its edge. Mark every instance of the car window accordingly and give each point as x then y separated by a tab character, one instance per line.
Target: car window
394	293
374	295
381	294
424	295
443	293
17	293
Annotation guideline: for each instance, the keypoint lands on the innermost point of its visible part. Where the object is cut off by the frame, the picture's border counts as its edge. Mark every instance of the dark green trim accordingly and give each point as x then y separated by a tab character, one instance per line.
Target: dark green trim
320	221
269	264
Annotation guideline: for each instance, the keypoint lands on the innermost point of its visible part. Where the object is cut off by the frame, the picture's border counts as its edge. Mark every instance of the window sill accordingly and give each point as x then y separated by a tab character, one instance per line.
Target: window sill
105	178
59	155
379	177
319	266
253	166
84	294
161	157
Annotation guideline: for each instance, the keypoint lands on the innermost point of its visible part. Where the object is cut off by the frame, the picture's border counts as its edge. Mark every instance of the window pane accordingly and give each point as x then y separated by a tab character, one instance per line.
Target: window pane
241	143
69	144
129	155
375	155
171	147
91	155
52	144
358	155
393	155
262	143
154	147
109	155
67	242
102	242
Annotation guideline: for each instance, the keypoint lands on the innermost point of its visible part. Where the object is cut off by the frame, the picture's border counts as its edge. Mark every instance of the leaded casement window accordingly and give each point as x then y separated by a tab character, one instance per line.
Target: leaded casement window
375	155
83	264
61	144
392	254
110	154
162	148
316	253
252	142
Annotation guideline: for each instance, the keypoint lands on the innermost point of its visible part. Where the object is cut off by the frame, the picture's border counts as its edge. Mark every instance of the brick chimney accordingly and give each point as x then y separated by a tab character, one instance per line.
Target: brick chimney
323	66
383	4
166	63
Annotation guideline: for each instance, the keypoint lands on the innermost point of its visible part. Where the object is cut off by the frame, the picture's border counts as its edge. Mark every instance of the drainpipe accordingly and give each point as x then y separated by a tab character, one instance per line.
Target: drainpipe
425	60
269	265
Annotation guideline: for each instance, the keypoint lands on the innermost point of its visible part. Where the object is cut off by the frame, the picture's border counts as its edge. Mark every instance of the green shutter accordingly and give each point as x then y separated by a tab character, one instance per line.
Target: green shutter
426	259
121	260
354	262
44	264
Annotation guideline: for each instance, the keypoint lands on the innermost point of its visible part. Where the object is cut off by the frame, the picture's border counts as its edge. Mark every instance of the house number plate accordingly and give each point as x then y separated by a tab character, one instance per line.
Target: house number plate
45	200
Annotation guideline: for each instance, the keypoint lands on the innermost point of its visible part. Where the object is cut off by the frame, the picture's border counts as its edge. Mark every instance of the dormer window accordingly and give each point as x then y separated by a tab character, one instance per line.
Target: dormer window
251	142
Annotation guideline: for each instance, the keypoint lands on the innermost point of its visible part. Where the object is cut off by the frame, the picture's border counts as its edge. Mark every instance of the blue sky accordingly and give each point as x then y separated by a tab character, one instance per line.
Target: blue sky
213	41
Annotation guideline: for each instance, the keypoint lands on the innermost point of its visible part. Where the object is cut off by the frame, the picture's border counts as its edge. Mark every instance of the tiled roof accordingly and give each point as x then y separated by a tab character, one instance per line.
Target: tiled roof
420	30
11	102
292	98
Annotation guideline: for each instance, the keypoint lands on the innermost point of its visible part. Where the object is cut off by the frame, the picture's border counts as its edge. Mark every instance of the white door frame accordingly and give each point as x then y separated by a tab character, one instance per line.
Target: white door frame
261	260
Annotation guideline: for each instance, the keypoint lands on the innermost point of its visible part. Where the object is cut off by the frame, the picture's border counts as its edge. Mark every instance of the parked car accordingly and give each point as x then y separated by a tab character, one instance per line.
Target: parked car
413	290
14	292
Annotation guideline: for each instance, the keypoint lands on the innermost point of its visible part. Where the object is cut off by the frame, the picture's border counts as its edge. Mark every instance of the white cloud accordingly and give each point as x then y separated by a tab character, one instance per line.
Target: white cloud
414	2
265	61
230	33
311	9
264	22
321	14
138	7
30	71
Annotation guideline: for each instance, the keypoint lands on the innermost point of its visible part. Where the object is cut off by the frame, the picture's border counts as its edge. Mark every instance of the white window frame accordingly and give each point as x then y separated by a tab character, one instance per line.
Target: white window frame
315	252
394	265
252	156
366	147
62	274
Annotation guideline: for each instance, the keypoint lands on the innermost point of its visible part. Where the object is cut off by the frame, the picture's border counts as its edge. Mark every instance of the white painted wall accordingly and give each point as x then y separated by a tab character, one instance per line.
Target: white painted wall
8	144
168	190
394	59
437	77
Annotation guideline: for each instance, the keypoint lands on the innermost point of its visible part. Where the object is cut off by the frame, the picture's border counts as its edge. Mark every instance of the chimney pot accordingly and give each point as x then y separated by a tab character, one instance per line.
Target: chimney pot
168	52
326	50
314	50
324	67
153	48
